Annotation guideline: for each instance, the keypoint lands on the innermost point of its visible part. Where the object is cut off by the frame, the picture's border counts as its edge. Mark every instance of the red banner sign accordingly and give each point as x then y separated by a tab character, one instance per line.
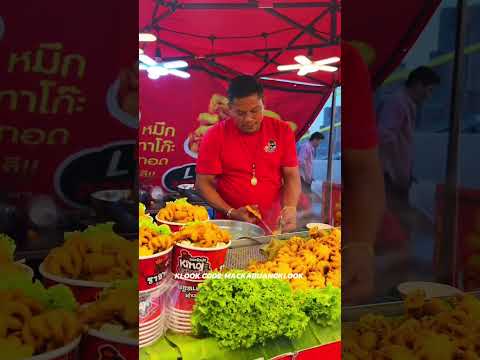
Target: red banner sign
63	117
175	113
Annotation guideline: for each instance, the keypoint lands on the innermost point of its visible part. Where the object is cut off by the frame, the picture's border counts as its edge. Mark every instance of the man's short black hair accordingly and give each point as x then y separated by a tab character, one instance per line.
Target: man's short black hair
243	86
423	75
317	136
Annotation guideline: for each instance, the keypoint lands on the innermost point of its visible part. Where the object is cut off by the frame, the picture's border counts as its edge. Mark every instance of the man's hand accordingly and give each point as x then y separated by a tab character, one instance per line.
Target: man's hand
288	219
358	282
242	214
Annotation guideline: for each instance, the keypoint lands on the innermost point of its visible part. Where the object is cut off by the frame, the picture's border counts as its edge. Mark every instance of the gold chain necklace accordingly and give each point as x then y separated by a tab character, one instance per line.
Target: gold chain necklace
254	179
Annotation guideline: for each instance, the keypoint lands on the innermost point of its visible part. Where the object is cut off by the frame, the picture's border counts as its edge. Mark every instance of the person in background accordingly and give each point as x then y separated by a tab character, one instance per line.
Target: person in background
306	155
396	118
250	159
362	180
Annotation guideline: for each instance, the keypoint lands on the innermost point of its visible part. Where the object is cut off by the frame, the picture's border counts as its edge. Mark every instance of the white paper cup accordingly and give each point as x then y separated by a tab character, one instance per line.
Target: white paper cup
64	353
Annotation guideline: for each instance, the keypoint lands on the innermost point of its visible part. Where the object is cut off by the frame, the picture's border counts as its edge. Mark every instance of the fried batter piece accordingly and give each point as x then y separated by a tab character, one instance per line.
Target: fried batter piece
151	242
27	328
204	235
117	306
104	258
430	329
317	258
180	211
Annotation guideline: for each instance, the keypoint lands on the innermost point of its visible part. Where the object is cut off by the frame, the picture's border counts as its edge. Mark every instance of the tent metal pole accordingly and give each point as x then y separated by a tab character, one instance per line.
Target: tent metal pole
292	41
305	29
241	6
448	254
244	52
328	218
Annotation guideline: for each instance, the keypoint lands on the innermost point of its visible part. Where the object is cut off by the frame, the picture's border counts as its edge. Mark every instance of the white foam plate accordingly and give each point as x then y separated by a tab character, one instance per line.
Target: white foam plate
321	226
431	289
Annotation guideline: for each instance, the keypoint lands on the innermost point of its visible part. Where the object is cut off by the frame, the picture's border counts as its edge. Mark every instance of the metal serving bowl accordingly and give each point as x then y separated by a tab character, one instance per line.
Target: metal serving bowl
240	229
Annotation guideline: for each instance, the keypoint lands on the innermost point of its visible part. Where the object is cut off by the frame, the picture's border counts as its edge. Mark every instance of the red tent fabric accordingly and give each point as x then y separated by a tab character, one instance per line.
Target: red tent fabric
237	35
390	28
68	121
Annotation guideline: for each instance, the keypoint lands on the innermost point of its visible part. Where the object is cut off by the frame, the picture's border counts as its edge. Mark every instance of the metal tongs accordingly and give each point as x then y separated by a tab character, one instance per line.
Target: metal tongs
259	218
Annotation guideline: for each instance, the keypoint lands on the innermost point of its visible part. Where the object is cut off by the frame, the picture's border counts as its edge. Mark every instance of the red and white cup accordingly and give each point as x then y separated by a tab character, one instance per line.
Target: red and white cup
152	304
153	270
150	336
179	324
84	291
174	226
192	263
159	323
67	352
98	345
182	296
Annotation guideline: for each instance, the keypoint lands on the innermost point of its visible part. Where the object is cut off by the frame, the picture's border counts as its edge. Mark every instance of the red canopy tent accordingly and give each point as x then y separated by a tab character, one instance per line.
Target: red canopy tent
244	36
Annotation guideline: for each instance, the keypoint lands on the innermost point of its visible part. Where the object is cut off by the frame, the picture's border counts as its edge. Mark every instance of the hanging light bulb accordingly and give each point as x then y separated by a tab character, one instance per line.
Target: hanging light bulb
154	72
179	73
305	65
145	37
178	64
147	60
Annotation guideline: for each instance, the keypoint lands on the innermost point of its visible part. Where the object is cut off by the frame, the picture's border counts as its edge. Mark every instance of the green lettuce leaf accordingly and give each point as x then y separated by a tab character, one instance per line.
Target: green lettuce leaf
7	247
100	228
181	201
61	297
159	229
55	297
243	312
322	305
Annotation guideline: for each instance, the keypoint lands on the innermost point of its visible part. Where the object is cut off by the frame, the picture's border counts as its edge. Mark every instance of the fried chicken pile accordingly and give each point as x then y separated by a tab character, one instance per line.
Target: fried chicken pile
28	328
151	242
317	258
116	310
180	211
205	235
434	329
93	255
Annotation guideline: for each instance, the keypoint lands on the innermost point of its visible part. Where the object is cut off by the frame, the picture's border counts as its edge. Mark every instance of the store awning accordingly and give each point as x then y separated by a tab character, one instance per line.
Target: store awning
243	36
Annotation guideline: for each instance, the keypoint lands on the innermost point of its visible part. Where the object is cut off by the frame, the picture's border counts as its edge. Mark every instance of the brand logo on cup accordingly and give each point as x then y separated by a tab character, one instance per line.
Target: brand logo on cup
144	308
188	263
108	352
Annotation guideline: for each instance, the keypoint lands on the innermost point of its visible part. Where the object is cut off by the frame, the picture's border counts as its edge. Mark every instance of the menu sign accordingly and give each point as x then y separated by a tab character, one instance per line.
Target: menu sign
60	99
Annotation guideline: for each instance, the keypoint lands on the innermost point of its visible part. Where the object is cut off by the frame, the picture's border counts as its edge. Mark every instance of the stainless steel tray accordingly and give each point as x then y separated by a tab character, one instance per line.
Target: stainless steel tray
394	308
246	249
245	241
239	229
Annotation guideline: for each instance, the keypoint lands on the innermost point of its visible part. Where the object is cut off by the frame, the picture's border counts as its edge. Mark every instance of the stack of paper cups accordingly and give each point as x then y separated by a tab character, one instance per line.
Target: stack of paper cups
153	314
154	282
190	265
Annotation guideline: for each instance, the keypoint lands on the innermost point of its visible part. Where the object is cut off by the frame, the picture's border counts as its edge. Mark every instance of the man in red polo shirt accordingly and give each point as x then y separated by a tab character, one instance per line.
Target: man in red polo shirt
362	179
250	159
